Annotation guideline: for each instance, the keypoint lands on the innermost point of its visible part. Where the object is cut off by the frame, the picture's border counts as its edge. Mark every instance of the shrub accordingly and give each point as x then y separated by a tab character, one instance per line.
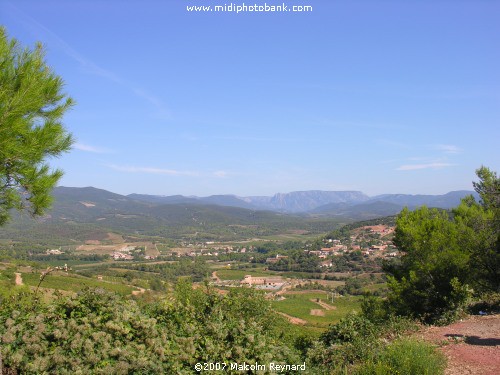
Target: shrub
405	356
353	339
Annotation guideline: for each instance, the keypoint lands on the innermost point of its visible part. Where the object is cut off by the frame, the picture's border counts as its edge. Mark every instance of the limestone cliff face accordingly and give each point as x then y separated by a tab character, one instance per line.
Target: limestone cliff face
302	201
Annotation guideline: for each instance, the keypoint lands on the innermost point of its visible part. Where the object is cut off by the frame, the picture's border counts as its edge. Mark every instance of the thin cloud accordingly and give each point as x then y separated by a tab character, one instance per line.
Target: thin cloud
413	167
448	149
152	170
88	148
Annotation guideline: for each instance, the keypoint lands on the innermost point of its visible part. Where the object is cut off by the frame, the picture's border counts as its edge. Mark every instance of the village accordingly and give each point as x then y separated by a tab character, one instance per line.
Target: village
369	241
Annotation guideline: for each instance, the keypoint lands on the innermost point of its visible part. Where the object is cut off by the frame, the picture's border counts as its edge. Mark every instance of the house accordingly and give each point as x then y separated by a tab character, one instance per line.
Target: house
263	282
320	254
120	256
54	252
276	259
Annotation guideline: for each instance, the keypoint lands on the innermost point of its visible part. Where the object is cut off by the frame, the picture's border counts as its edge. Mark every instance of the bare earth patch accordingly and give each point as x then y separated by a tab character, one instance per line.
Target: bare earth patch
137	292
318	312
324	305
215	277
293	319
19	279
115	238
472	346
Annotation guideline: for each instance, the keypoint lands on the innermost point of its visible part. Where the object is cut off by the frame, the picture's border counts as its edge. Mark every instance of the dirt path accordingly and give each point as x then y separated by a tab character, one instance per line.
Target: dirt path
283	289
214	276
293	319
317	312
472	346
19	279
324	305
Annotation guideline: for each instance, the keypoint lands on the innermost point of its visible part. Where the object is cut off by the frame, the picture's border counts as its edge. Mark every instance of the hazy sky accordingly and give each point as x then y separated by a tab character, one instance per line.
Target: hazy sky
377	96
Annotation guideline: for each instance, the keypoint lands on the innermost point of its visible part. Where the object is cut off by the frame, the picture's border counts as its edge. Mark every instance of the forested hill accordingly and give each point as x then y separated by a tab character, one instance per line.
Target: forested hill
353	204
77	210
89	210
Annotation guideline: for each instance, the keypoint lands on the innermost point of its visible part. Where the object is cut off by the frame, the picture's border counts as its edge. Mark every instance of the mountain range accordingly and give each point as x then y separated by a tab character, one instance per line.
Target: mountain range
88	213
316	201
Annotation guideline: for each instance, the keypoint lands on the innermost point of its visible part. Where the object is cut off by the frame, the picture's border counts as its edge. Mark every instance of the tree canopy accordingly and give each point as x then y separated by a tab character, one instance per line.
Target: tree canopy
32	104
447	256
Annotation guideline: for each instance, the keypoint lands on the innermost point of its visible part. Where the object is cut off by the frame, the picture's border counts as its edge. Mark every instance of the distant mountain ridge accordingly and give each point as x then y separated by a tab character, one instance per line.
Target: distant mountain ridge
447	200
317	201
88	213
392	204
294	202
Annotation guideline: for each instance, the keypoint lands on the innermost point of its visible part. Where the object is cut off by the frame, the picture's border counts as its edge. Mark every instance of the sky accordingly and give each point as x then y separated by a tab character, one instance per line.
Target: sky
375	96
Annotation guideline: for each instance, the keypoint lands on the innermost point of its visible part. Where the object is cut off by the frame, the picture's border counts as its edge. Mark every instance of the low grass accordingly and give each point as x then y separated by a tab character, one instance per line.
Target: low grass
405	356
72	262
73	284
299	305
301	275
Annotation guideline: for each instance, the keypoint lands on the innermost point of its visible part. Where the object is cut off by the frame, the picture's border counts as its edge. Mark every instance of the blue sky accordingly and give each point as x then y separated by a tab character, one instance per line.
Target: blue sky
376	96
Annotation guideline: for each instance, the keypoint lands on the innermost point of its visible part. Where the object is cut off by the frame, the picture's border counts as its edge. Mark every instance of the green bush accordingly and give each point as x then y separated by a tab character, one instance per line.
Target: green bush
98	332
352	339
405	356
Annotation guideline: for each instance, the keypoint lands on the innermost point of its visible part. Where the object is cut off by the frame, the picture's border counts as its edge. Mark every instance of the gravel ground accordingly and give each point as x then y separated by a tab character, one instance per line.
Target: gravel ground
472	345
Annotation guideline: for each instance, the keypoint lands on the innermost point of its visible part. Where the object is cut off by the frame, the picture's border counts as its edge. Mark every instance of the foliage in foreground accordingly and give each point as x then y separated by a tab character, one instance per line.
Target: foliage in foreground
404	356
99	332
357	345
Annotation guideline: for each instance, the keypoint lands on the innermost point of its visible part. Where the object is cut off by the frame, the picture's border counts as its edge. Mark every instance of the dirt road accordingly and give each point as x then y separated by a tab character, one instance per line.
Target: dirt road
293	319
472	346
324	305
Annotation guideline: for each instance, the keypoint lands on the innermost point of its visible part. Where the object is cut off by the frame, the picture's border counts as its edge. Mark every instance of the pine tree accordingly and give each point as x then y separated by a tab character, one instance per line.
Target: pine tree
32	105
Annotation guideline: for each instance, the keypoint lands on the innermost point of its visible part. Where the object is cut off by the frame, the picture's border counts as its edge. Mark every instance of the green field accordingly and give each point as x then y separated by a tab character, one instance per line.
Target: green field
73	284
72	262
230	274
299	305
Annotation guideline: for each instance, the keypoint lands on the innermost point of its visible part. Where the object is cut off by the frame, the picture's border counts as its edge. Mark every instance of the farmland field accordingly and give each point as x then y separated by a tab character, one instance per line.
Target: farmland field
73	284
229	274
300	305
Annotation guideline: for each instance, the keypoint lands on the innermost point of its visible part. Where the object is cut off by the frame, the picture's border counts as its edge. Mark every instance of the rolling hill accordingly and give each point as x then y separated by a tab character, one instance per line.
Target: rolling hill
78	213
